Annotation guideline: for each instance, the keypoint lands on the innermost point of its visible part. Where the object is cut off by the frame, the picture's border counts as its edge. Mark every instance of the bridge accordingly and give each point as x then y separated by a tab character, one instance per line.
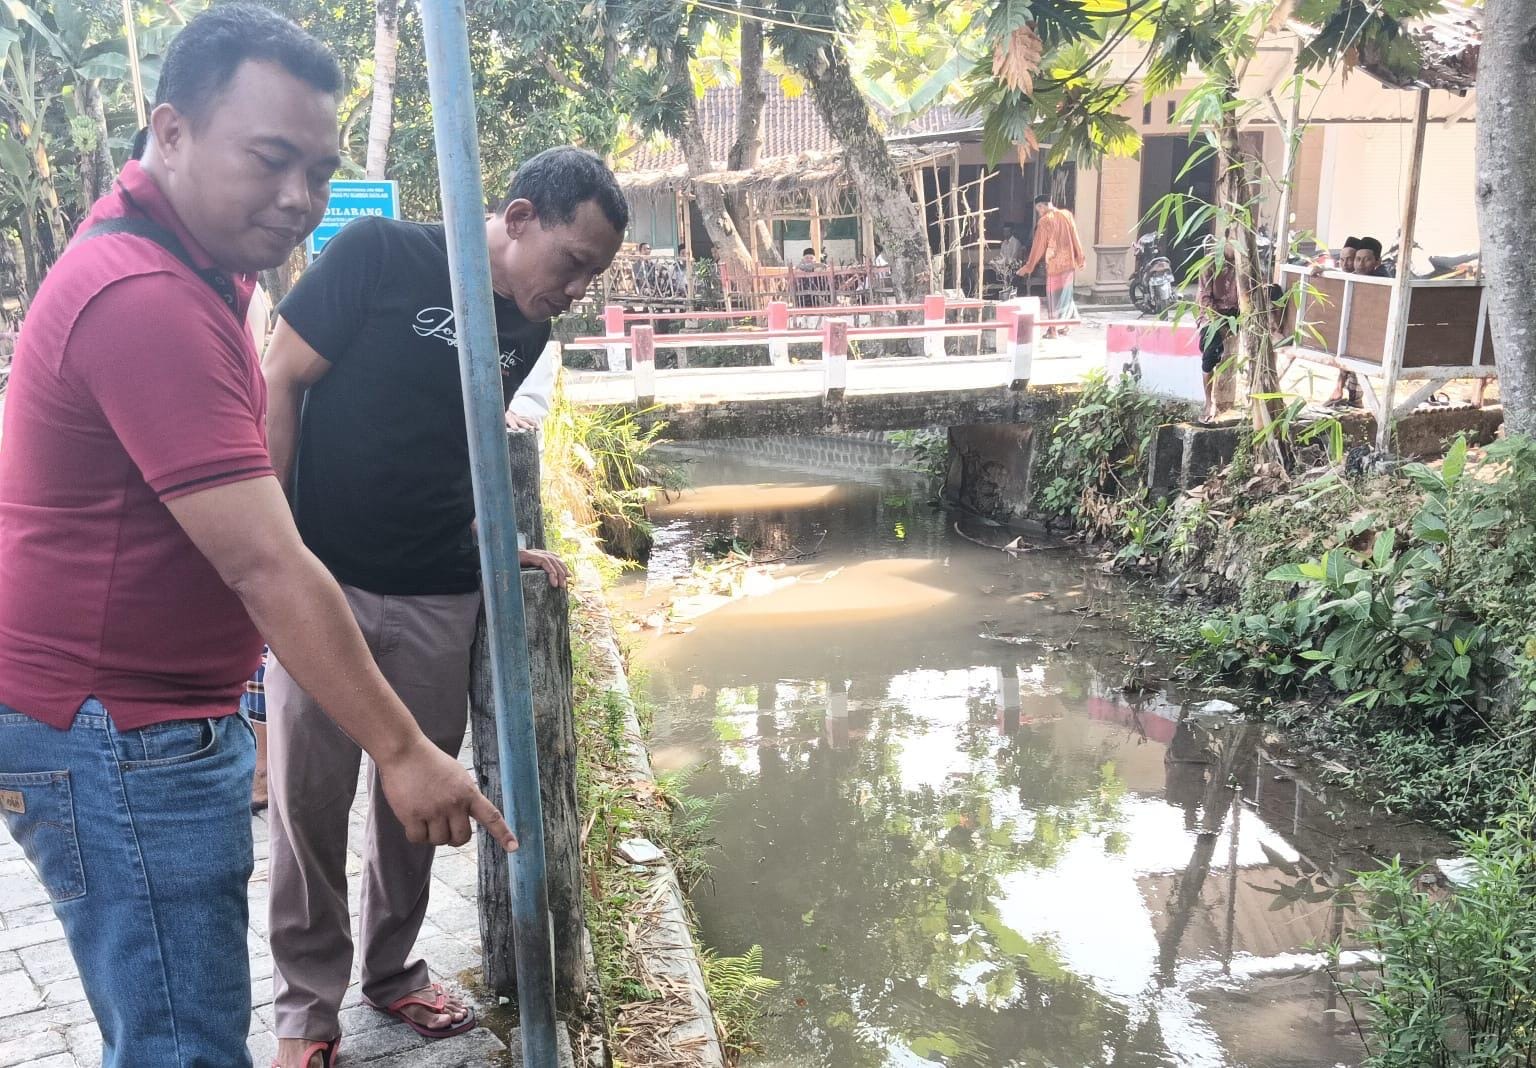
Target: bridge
1021	380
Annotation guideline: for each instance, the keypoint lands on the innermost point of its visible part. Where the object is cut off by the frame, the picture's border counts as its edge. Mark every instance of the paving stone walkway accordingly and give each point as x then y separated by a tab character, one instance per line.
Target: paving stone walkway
45	1021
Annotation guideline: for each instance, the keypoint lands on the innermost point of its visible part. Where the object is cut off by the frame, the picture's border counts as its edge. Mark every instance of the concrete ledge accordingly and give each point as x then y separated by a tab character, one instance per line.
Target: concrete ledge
816	414
664	935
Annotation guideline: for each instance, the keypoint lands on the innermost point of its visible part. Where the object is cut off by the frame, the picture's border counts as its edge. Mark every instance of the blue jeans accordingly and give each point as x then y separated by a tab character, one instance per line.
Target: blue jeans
142	839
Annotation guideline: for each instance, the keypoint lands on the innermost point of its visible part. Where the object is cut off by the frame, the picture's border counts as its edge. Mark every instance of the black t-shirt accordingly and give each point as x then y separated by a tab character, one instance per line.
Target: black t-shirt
382	491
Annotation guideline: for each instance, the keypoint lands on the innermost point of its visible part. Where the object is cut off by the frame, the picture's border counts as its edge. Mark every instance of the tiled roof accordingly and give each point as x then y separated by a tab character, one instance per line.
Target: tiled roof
791	125
1449	41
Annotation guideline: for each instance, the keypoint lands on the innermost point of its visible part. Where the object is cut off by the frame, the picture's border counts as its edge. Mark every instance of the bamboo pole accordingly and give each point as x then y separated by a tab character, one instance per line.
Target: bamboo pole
816	224
1402	293
981	235
687	225
135	74
1292	134
955	256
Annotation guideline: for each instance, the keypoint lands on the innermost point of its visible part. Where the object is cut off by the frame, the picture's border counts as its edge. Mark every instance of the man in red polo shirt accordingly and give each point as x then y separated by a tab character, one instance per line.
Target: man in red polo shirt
145	544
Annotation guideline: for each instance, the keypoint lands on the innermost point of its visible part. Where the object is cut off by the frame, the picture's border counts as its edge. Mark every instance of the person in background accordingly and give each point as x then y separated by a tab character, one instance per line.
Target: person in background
1012	248
530	405
1057	245
1010	257
810	290
1217	298
146	548
1368	259
366	426
1346	387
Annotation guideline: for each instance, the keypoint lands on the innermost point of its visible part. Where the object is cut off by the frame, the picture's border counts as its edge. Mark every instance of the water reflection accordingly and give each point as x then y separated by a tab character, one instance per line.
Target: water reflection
958	840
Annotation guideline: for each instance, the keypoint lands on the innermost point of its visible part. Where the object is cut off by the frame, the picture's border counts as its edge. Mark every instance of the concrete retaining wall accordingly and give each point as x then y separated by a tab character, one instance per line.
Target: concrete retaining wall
992	467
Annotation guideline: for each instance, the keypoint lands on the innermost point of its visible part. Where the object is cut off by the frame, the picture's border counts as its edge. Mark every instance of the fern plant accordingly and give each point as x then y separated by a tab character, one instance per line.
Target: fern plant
737	987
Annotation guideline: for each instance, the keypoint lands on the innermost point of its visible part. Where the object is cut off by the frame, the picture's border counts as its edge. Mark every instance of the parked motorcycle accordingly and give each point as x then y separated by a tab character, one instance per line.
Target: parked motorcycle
1152	288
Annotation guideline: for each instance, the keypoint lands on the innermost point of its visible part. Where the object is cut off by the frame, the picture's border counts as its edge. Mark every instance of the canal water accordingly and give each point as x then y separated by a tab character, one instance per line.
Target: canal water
957	834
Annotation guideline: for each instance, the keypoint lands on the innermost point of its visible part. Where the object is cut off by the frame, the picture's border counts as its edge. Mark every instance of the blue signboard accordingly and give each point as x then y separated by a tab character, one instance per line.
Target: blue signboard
349	199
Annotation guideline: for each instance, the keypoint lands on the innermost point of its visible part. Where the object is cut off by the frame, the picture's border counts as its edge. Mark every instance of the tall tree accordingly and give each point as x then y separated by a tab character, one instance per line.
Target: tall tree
809	35
1506	198
731	252
660	99
747	148
381	115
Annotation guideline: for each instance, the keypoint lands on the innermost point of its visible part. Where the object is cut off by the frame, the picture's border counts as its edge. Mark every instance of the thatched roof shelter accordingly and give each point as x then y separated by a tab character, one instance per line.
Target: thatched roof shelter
782	180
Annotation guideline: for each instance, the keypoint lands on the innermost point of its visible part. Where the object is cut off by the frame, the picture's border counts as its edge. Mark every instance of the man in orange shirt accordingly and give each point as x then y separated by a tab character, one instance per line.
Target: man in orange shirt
1056	242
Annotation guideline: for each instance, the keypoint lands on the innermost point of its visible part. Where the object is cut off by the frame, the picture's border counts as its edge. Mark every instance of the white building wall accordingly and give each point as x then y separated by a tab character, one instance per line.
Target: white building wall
1365	168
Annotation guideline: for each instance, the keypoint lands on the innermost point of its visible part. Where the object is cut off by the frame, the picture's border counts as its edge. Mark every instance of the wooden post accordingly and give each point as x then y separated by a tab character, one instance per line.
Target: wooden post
834	356
981	238
1292	135
643	341
688	250
815	224
1402	293
523	452
778	319
933	315
549	647
954	219
613	326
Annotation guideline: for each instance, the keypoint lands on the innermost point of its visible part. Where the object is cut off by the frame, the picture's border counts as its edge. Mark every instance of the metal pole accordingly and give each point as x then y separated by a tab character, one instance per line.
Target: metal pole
458	159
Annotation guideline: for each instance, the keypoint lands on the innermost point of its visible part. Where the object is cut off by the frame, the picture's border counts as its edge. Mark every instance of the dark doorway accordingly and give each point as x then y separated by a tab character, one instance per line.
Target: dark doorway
1165	168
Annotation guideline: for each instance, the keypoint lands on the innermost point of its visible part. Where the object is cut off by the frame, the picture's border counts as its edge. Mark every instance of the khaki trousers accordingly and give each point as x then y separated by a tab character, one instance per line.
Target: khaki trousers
422	646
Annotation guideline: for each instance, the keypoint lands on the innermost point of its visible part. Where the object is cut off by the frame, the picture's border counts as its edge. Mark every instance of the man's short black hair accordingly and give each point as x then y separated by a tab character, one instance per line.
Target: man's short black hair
1352	242
559	180
204	57
1043	198
1371	245
807	251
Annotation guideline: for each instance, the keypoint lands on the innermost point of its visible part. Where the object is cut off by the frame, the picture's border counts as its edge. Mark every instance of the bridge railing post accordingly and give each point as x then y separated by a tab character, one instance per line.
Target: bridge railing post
613	327
642	342
1021	340
834	355
933	315
1007	312
778	321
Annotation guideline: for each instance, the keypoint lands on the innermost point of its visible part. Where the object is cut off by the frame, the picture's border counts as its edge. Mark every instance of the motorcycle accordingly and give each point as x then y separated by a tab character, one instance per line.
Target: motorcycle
1152	278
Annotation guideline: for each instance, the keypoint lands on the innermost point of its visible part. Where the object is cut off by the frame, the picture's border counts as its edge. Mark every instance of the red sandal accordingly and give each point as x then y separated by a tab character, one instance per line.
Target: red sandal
327	1051
438	1005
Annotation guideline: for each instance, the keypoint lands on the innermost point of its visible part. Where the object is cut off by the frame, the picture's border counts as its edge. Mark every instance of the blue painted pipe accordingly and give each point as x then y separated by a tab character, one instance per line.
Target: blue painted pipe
458	164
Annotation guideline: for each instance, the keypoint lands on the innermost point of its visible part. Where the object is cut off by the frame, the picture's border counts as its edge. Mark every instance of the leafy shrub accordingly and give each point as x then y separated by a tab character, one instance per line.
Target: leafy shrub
1411	627
1455	988
1094	465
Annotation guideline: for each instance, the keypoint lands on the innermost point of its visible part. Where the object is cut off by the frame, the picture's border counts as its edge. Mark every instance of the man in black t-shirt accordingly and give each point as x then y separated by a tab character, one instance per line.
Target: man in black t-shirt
366	428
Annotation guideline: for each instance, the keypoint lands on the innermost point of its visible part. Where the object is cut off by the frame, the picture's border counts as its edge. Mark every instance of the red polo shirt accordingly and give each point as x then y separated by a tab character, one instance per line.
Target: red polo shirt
132	384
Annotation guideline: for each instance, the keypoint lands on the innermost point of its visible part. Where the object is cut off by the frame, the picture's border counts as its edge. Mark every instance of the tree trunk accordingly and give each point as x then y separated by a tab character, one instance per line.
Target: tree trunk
96	168
31	270
1506	199
730	251
882	194
1256	344
381	115
748	146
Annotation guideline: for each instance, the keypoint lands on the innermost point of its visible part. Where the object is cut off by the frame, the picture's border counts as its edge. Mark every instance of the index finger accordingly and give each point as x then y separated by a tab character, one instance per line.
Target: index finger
485	814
